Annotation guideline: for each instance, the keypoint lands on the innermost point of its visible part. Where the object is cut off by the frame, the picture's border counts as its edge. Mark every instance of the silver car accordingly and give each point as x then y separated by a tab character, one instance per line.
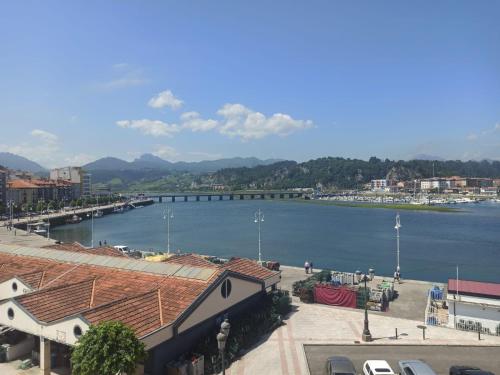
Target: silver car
415	367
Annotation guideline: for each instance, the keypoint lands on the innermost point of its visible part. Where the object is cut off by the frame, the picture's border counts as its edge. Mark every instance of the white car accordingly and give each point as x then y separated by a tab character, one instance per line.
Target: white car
377	367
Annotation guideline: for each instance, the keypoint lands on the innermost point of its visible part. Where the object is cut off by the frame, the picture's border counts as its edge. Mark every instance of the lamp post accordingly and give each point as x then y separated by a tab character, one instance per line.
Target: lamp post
167	215
259	218
221	342
397	226
367	336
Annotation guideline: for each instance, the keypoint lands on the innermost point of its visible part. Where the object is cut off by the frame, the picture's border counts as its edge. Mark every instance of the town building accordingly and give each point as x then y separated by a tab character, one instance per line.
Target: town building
438	184
474	306
79	179
379	185
22	192
51	296
3	188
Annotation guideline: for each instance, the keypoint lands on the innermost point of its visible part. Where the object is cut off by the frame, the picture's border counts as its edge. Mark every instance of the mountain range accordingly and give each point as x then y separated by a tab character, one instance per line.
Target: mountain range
150	161
21	163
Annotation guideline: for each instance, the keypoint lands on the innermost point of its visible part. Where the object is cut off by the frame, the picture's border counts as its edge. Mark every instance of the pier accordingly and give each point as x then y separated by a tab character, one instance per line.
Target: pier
221	196
60	217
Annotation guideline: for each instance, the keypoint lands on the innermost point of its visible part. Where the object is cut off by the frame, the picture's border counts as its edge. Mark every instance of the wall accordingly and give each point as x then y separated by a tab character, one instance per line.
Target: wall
6	290
488	316
215	303
61	331
183	343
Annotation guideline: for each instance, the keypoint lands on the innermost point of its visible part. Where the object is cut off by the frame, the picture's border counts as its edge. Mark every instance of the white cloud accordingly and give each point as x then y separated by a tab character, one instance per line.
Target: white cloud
44	136
165	99
166	152
155	128
193	121
125	76
472	137
79	159
240	121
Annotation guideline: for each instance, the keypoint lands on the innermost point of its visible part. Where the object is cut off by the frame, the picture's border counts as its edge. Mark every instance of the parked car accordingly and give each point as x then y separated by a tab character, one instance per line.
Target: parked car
338	365
468	370
377	367
415	367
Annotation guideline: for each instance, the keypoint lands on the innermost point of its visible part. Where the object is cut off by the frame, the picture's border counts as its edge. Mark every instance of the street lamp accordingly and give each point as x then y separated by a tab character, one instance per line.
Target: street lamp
259	218
367	336
167	215
398	225
221	342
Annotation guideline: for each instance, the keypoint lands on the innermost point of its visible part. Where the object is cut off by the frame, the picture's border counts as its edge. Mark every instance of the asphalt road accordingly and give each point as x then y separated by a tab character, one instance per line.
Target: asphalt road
440	358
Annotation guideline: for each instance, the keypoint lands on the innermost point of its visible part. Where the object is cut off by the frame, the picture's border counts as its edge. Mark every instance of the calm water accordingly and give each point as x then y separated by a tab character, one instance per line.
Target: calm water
341	238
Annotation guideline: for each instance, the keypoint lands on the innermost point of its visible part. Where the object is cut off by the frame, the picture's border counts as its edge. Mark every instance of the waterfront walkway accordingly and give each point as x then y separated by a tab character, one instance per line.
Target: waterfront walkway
283	351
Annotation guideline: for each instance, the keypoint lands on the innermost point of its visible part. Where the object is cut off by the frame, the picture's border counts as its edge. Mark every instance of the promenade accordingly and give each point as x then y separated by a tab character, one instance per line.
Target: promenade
309	325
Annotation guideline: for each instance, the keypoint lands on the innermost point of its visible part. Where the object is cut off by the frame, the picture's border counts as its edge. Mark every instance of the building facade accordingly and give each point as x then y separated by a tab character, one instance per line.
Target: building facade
79	179
379	185
474	306
52	298
3	188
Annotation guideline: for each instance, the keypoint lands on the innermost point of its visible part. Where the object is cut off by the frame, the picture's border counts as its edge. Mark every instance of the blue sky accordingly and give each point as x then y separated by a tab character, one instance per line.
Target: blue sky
193	80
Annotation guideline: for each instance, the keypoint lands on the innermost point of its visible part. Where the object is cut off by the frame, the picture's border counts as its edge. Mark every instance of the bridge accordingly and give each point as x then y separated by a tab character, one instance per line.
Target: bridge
220	196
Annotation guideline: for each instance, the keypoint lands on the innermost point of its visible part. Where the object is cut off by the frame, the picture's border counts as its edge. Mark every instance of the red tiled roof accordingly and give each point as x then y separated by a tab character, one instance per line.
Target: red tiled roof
478	288
249	267
78	248
144	301
191	260
20	184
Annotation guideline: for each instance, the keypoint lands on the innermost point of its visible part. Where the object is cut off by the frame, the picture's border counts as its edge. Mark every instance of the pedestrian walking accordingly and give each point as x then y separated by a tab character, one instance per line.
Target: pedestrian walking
306	266
100	243
311	267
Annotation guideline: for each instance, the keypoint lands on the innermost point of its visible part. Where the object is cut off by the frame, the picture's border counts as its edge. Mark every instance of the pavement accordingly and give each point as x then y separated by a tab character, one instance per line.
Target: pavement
284	351
439	358
22	238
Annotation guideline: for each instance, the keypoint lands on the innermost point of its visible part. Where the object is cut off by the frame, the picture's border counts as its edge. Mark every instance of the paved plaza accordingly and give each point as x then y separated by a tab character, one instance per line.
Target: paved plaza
284	353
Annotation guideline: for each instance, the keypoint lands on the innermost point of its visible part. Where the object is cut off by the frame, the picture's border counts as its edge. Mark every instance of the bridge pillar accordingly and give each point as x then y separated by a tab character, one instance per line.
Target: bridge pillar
173	198
299	195
209	198
282	196
290	195
197	198
242	197
231	197
252	196
185	198
262	196
220	197
272	196
160	199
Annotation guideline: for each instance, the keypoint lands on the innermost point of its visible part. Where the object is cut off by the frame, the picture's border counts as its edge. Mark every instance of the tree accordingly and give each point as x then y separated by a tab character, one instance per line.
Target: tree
108	348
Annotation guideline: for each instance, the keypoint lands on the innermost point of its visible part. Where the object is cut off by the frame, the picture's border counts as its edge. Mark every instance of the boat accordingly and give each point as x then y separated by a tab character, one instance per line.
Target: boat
98	213
40	228
75	219
118	210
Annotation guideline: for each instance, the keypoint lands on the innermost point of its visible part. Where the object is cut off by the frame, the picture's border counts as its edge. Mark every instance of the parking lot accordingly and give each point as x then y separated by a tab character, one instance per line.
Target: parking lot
440	358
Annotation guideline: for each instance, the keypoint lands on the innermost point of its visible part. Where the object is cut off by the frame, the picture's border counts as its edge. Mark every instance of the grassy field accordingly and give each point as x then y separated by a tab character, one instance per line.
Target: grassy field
387	206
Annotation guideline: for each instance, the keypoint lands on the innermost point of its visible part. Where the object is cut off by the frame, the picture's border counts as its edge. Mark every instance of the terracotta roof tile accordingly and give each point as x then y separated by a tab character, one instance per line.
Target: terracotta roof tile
249	267
191	260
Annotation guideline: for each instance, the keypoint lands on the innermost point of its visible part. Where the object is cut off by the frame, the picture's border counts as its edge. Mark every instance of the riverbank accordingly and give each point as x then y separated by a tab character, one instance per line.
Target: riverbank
60	218
388	206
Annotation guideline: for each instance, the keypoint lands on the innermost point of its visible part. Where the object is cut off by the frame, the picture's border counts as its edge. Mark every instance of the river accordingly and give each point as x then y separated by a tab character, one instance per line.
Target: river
341	238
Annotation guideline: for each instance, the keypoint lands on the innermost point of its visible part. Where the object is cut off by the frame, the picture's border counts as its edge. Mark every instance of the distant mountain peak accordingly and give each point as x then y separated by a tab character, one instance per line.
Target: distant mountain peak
13	161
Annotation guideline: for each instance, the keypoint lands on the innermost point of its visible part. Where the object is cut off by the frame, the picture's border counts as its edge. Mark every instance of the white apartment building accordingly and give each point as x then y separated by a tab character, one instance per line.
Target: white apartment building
433	183
379	185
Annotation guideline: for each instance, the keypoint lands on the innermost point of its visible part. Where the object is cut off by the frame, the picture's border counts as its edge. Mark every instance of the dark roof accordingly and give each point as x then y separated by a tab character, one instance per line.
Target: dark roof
474	288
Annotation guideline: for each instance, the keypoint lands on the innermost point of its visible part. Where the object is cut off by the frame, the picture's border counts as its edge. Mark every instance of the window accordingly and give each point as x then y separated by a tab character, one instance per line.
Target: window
14	286
77	331
408	371
226	288
10	313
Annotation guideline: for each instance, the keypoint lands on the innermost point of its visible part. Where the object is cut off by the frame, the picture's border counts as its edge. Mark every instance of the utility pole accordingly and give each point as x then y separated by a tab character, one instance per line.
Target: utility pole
398	225
259	218
167	215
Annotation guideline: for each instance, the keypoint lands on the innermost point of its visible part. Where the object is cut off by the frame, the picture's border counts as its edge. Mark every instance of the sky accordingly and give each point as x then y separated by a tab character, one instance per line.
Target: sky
198	80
